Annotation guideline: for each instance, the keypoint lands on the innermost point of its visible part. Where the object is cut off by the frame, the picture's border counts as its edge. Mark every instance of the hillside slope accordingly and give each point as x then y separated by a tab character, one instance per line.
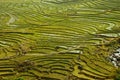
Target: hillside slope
45	39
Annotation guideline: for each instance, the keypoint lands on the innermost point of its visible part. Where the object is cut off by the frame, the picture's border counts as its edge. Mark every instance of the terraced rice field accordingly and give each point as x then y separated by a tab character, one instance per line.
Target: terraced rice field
59	39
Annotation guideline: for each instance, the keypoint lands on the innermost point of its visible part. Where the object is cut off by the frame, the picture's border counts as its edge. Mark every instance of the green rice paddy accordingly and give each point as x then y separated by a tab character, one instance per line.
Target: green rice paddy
59	39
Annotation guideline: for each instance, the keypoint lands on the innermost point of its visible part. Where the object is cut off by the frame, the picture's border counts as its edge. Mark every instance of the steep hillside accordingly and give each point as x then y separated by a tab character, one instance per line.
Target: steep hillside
59	39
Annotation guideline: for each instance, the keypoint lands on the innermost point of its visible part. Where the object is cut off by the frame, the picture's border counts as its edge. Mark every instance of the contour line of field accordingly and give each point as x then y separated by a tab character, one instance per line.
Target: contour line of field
11	20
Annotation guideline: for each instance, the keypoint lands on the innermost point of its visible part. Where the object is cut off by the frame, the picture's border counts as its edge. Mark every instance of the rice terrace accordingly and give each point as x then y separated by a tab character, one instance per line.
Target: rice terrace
59	39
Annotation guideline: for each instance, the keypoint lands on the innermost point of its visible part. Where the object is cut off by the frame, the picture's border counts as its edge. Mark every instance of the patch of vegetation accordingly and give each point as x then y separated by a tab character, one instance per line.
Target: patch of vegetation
19	79
58	39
